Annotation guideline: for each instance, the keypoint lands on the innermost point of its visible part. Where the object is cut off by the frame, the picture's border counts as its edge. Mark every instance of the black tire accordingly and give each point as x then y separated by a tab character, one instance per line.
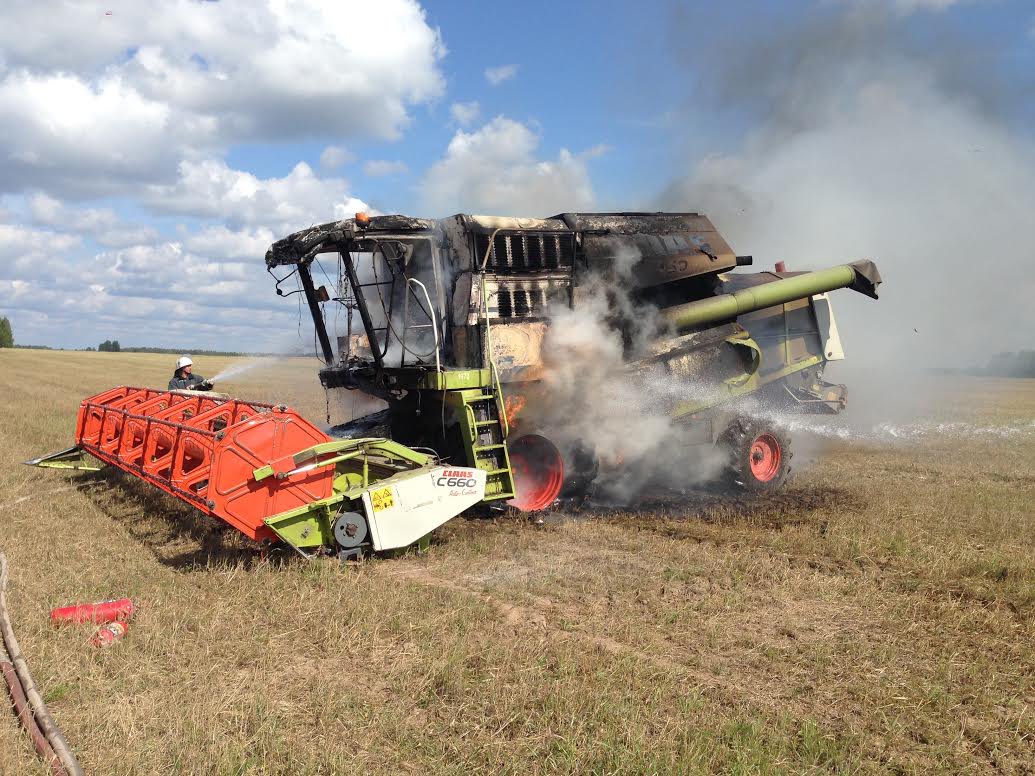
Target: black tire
581	467
758	456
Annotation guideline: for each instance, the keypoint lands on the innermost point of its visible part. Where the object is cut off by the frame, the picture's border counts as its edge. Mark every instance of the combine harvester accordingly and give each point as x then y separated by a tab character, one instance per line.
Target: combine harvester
453	326
452	317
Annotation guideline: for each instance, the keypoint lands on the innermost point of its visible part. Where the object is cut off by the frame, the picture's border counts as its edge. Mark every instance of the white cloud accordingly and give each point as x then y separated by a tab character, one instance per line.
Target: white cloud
171	293
334	157
89	102
103	224
376	168
167	271
148	291
495	170
137	110
41	314
218	242
124	236
62	132
600	149
211	189
48	211
497	75
27	253
907	7
465	113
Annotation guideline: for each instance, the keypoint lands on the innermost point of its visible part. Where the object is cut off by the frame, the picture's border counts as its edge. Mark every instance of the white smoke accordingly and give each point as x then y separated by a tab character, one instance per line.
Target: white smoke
867	146
591	395
589	398
868	143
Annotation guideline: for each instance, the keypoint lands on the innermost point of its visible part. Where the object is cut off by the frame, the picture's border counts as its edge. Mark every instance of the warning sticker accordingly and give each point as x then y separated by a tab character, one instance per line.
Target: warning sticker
381	499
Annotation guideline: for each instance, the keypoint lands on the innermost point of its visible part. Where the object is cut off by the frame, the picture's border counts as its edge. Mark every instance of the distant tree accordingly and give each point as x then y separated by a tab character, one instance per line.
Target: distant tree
6	337
105	347
1020	364
115	346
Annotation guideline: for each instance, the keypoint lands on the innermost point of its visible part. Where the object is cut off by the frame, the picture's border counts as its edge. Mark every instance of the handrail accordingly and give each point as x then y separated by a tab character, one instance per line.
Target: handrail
431	315
501	411
497	387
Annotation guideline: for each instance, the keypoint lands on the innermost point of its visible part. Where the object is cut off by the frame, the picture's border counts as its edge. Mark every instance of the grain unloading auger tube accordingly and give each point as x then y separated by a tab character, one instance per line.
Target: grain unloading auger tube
270	473
861	276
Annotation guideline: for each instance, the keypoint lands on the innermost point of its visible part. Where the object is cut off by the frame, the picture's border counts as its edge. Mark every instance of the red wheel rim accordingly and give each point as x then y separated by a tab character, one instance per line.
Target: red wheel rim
538	472
765	457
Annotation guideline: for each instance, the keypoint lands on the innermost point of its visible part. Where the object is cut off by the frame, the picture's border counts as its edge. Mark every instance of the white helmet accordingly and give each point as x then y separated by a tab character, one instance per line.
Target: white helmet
183	361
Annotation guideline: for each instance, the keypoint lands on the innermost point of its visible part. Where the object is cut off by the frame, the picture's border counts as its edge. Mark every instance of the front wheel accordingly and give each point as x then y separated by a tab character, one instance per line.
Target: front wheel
759	456
538	472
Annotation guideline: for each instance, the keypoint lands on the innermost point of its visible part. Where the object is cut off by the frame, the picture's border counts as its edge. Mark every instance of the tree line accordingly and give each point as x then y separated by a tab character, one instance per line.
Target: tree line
113	346
1020	364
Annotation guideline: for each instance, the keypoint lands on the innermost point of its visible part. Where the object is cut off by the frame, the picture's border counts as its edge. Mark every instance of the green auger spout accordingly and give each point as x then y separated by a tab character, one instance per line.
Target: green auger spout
861	276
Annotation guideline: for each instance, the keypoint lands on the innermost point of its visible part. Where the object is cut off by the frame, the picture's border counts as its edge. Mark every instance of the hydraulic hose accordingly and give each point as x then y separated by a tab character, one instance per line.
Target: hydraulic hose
41	715
21	708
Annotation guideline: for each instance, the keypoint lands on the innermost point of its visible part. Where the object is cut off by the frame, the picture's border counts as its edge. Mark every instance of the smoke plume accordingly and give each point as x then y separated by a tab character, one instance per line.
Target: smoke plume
591	399
864	142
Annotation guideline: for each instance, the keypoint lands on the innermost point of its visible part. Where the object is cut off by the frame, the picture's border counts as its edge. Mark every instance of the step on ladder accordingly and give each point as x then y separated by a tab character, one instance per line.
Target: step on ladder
484	438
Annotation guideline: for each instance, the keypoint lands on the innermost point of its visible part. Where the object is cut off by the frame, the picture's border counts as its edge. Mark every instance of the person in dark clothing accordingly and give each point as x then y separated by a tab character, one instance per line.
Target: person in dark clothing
184	380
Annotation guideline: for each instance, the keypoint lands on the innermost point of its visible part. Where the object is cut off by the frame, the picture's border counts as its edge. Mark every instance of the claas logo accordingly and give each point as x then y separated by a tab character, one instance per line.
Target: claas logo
456	478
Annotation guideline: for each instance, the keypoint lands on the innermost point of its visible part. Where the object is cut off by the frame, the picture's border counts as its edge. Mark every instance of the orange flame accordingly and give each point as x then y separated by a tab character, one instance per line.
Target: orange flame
512	405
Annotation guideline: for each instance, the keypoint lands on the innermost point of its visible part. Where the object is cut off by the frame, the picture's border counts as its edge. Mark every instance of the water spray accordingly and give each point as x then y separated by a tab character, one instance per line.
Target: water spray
236	370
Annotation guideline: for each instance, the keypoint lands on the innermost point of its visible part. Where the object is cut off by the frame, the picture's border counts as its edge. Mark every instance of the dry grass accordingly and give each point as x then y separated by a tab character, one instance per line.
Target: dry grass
877	617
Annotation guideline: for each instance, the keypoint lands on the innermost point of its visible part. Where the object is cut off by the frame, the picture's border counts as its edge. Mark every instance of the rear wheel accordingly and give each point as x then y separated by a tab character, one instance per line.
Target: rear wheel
759	456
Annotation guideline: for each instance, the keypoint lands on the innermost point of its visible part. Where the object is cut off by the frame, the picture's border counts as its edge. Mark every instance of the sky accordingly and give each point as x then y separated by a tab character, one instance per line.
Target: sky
150	154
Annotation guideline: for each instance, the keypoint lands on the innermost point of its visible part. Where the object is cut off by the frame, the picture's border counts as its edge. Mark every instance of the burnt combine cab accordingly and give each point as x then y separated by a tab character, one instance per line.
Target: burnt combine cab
449	322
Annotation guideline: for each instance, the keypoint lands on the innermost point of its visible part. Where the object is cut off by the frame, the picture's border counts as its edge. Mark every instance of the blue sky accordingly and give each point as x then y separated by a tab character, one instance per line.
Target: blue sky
148	157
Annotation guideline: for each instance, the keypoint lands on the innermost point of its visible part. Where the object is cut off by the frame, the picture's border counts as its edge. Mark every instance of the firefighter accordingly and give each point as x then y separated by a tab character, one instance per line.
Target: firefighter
183	380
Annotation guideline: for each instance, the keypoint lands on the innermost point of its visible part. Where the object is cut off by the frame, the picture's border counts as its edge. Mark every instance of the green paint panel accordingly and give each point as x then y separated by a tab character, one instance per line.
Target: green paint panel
304	528
446	380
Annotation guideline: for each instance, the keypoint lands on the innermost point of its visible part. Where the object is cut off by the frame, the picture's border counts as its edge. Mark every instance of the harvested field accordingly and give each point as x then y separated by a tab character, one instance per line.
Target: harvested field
877	616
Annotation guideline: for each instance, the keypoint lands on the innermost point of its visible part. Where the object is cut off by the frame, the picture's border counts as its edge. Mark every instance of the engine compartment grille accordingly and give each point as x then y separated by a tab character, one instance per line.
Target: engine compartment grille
510	299
526	252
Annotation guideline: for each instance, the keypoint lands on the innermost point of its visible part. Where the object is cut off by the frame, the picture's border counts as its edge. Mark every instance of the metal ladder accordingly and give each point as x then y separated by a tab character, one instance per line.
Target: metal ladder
484	438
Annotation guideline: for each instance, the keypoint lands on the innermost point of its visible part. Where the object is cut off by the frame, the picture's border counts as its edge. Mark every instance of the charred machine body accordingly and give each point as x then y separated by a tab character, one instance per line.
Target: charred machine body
448	321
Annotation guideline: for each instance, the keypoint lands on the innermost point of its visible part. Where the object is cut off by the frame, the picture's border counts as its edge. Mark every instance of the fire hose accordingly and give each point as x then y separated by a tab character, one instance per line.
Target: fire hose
28	703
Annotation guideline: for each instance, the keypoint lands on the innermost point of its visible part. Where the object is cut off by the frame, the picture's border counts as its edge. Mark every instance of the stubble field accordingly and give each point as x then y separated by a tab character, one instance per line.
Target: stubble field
875	617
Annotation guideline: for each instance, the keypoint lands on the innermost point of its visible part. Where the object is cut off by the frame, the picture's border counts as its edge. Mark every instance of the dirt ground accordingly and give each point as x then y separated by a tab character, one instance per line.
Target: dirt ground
877	616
